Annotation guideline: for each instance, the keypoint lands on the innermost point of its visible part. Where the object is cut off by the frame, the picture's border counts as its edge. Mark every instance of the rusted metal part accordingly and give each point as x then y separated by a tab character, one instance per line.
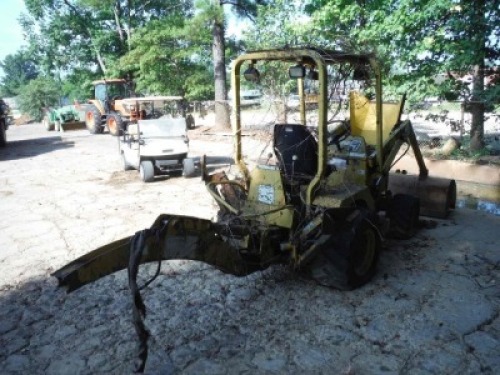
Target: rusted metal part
437	195
185	238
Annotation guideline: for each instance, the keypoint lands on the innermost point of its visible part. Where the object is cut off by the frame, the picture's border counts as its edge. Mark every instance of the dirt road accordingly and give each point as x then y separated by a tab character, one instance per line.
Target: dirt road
433	307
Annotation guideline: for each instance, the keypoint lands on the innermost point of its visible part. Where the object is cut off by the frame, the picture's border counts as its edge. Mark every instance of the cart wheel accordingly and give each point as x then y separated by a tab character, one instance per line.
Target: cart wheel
147	171
188	167
126	165
349	257
403	213
57	125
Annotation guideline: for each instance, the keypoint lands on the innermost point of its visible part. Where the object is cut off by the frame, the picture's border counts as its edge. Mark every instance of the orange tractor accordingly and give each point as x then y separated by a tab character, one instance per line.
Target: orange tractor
114	107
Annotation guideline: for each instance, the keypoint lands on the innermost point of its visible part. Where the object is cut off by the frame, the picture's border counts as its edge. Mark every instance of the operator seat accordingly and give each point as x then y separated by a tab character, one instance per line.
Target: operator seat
296	150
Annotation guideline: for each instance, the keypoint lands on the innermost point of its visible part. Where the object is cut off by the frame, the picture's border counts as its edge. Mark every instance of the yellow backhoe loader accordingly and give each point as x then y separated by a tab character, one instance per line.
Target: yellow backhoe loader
323	207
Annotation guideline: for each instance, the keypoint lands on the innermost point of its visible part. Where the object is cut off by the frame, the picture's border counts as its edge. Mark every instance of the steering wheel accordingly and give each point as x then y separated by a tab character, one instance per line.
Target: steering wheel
116	97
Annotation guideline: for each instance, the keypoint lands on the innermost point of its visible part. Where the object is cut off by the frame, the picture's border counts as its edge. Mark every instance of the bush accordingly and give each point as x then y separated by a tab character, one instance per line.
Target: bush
38	95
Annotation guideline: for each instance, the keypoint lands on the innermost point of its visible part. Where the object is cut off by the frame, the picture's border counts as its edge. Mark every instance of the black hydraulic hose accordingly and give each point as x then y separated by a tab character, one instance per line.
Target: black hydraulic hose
138	308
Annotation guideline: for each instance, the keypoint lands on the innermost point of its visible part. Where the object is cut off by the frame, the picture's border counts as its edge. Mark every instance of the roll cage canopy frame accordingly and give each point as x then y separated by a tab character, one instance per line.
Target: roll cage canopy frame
319	59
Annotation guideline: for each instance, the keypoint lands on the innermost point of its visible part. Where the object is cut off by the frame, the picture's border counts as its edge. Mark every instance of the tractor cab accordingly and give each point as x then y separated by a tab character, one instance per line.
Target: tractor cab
107	91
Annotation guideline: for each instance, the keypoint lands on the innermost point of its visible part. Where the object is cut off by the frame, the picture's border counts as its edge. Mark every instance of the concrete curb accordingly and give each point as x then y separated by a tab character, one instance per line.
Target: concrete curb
454	169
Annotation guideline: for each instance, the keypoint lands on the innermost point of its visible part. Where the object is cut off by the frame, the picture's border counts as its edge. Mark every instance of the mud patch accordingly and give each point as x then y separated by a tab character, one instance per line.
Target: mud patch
122	178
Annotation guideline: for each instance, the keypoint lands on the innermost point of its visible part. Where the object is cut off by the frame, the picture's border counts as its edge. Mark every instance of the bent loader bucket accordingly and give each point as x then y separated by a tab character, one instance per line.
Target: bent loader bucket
437	195
170	237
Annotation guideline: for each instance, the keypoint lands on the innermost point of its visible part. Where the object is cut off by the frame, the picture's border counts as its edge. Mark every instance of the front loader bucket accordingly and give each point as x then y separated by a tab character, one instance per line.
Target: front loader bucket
170	237
73	125
437	195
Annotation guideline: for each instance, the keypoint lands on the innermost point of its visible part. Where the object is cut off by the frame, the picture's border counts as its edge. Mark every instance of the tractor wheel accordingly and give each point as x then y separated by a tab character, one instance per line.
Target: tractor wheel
57	125
46	123
3	134
114	123
147	171
403	213
93	120
348	259
126	165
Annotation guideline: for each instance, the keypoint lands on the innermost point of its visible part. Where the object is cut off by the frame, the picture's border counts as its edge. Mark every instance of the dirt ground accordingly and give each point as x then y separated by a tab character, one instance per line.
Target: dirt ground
433	307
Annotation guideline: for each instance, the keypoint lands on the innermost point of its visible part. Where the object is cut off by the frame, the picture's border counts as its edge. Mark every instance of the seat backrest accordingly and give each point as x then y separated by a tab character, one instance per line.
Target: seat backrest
363	119
297	152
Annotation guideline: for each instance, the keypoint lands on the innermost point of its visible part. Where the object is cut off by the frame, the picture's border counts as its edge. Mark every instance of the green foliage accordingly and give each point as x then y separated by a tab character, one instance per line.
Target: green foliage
38	95
78	85
281	23
169	56
88	33
18	70
420	38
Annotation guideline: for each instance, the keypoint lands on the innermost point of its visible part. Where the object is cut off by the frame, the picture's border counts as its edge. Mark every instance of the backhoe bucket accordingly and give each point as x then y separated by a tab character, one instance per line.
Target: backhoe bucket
437	195
170	237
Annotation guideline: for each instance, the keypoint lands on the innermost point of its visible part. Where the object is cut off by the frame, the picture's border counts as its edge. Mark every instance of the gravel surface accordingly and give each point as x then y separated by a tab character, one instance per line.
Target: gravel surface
433	307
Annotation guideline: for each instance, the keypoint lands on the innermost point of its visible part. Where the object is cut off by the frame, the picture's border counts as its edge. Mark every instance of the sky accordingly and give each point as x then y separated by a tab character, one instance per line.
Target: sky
11	35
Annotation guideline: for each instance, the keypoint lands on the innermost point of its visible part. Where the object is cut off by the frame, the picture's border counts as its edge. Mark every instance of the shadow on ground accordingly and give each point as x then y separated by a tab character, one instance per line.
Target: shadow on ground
33	147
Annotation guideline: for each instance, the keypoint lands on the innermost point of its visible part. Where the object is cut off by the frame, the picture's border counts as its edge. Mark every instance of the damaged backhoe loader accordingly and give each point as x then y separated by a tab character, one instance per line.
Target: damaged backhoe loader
323	206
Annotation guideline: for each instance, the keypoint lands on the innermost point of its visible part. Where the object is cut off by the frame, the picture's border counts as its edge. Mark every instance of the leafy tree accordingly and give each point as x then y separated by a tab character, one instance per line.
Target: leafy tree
19	69
170	56
78	85
423	39
76	33
38	95
278	24
211	14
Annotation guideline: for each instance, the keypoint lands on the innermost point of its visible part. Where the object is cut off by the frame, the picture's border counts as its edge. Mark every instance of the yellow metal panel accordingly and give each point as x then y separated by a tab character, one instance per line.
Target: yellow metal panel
266	197
364	117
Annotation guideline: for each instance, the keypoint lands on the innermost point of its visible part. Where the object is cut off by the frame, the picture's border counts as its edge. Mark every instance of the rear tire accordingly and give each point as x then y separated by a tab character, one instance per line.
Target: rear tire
348	259
3	134
93	120
147	171
403	213
114	123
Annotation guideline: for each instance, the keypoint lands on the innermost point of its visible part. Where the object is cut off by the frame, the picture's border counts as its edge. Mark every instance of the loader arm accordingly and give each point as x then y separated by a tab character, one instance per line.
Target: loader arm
402	133
170	237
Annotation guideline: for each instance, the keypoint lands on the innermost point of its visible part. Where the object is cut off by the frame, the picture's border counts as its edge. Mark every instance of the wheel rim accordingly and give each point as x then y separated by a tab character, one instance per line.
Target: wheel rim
90	120
112	126
366	252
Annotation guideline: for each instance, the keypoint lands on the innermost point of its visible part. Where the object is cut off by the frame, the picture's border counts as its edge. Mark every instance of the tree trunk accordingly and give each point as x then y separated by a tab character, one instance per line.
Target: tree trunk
477	110
477	104
118	13
222	120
